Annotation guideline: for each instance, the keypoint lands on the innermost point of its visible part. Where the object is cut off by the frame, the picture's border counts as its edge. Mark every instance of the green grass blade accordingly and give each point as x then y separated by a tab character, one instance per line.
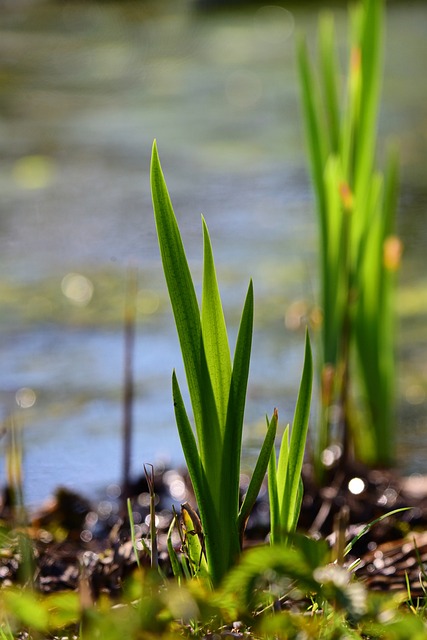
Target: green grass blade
329	77
282	466
258	474
235	413
215	338
336	249
299	435
202	488
175	565
319	150
375	328
188	441
368	319
315	134
295	513
178	277
370	47
273	497
132	533
187	319
369	526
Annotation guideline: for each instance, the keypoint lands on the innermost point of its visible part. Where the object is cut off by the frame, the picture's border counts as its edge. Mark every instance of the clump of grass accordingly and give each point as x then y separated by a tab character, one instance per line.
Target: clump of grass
359	251
217	388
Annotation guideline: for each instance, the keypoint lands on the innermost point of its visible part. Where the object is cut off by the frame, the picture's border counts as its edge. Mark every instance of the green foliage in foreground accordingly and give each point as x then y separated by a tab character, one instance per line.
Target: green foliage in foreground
276	592
359	252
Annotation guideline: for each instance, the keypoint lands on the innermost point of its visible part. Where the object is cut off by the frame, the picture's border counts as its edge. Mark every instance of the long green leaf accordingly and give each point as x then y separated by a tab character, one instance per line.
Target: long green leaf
299	435
315	134
187	319
201	486
282	466
173	557
370	47
295	512
232	446
178	279
214	331
336	249
329	84
273	498
188	441
258	474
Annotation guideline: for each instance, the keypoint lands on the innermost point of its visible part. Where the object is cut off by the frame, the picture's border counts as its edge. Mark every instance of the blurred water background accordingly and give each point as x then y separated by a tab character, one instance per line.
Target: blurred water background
84	89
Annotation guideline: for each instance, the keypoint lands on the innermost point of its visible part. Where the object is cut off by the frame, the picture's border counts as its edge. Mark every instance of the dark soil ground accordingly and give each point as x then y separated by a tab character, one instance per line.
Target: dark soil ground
71	536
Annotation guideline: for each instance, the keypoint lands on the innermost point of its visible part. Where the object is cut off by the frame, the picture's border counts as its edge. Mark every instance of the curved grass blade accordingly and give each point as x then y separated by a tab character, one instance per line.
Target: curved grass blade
296	562
369	526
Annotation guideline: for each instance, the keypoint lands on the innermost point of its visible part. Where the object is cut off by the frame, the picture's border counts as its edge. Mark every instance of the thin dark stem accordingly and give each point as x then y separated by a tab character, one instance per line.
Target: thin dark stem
128	394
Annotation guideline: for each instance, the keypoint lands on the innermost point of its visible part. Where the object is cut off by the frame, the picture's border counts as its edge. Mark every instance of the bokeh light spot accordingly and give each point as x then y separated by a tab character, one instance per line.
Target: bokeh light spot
86	535
148	301
77	288
274	25
34	172
25	397
331	455
356	486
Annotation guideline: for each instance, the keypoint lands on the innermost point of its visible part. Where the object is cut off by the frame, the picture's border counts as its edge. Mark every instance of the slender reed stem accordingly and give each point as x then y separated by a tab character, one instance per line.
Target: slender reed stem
128	391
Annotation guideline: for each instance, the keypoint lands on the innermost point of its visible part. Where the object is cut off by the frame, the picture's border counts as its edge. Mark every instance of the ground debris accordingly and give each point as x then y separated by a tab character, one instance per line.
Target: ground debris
71	538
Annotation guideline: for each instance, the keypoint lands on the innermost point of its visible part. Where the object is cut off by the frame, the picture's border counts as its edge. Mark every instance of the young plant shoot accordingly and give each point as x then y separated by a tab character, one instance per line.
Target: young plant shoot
217	388
284	478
